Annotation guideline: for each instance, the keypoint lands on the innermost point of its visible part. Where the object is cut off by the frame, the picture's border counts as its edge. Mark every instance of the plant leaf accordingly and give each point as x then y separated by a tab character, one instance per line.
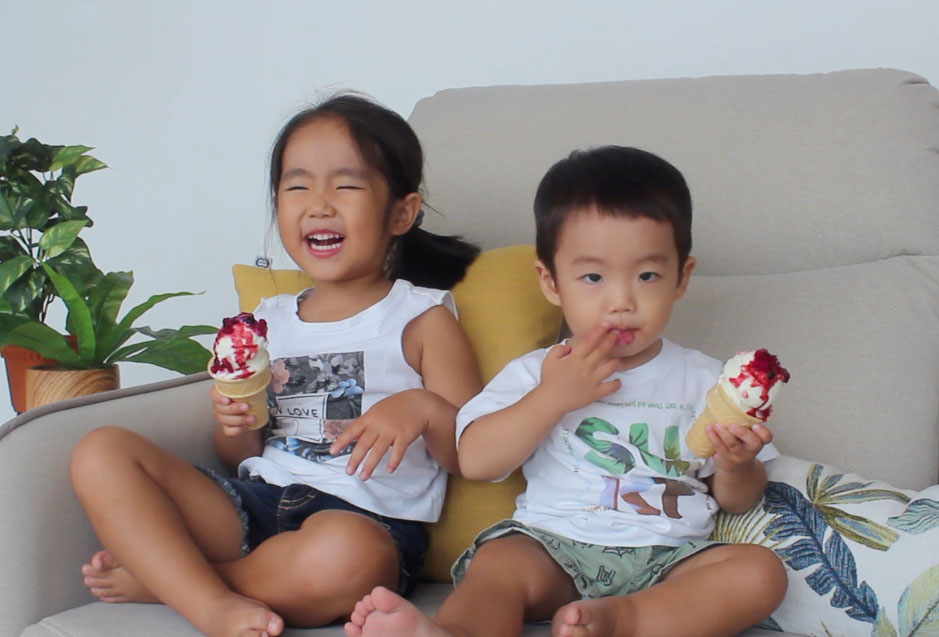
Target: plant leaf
79	316
76	265
182	355
122	331
10	247
836	570
105	300
861	530
811	481
184	331
6	211
87	164
26	293
60	237
918	608
883	627
67	155
13	269
41	338
919	517
865	495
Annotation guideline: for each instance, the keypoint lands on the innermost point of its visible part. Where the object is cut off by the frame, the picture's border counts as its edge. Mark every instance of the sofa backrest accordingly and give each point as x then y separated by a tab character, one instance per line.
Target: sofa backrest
816	230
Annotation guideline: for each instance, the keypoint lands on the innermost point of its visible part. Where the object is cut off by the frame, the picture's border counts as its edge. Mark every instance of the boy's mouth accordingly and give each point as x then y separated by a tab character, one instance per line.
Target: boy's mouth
324	242
624	337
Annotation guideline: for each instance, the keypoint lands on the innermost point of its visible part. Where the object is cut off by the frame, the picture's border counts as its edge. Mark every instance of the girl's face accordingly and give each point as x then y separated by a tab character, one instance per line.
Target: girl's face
335	213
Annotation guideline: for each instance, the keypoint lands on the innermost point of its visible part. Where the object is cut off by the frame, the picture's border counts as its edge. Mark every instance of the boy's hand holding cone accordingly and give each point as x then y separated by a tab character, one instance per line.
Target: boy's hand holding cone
743	395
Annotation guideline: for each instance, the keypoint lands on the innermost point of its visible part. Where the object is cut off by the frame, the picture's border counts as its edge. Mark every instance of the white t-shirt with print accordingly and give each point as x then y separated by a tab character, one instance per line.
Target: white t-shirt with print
325	375
617	472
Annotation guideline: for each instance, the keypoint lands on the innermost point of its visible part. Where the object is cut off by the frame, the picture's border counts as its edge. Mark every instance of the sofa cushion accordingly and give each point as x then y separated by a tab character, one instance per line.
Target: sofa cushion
504	315
862	556
862	343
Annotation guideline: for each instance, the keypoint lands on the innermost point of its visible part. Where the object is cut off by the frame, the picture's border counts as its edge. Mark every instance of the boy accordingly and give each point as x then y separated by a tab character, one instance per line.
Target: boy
610	536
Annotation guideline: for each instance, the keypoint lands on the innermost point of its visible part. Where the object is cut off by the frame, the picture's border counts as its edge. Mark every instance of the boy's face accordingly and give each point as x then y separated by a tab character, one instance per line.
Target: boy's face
620	272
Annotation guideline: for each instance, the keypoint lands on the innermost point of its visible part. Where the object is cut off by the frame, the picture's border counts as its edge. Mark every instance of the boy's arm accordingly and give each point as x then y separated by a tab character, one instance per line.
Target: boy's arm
740	478
497	443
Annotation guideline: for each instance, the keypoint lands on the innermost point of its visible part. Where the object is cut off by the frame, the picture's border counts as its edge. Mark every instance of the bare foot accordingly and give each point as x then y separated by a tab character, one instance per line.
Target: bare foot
110	582
383	613
232	616
237	616
586	618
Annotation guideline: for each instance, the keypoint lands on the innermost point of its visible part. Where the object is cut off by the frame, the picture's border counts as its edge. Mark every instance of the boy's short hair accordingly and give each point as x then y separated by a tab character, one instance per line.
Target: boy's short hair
618	181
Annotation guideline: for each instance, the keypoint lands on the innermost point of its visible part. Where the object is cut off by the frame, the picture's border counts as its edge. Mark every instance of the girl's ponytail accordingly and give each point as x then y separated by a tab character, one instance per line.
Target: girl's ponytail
430	260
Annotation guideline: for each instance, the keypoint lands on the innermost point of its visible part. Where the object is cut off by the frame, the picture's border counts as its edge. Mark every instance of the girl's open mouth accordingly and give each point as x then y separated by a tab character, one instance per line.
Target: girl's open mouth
324	243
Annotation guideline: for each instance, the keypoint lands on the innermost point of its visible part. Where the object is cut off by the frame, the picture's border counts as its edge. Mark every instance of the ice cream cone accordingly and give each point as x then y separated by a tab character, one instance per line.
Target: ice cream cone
251	390
720	408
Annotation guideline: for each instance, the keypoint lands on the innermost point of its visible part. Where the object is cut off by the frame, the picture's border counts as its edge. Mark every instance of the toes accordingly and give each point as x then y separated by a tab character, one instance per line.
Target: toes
102	561
352	630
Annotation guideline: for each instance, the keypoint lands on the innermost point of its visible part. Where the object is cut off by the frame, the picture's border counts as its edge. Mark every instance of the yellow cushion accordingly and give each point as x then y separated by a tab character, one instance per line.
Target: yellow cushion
504	315
253	284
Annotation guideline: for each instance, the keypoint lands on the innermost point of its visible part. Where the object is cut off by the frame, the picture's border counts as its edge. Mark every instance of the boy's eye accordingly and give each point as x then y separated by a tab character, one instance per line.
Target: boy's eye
289	188
648	276
593	277
348	187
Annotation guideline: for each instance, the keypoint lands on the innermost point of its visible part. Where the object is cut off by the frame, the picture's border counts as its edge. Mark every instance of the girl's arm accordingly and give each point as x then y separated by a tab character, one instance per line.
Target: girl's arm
497	443
437	348
233	440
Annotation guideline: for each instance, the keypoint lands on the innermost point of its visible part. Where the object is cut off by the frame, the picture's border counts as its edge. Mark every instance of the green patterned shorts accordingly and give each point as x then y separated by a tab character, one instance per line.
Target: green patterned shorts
597	570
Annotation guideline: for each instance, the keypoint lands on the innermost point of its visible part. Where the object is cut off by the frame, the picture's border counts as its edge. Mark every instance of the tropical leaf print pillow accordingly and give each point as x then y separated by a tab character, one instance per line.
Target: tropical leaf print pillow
862	556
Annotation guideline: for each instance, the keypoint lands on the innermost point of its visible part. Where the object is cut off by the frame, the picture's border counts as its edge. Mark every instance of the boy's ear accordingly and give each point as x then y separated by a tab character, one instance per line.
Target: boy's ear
404	213
548	286
686	271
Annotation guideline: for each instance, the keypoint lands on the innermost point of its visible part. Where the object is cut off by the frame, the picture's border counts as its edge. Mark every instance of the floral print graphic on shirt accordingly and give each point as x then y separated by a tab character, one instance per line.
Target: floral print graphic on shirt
314	399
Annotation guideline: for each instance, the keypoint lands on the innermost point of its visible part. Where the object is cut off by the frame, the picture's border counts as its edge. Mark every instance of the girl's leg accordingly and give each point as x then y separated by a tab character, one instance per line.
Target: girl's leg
315	575
511	579
720	591
165	521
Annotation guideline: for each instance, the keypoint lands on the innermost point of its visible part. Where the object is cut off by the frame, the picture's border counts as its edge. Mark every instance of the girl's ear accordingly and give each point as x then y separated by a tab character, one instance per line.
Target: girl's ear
404	213
548	286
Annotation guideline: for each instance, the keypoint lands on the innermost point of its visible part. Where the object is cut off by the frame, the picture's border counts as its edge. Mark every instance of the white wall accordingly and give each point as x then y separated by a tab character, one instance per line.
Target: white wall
183	99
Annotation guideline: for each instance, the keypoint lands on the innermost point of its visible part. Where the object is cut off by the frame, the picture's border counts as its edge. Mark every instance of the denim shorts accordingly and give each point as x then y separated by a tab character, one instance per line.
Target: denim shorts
597	571
267	509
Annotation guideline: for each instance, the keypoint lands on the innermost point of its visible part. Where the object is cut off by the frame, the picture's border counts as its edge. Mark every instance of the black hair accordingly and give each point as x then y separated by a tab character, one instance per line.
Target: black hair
616	180
388	144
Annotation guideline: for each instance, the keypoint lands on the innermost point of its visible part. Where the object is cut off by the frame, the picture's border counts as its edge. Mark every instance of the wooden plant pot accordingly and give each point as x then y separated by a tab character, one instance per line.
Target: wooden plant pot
18	360
46	384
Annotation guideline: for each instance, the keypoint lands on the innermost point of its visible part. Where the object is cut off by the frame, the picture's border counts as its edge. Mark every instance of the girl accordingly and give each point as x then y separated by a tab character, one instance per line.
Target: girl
307	537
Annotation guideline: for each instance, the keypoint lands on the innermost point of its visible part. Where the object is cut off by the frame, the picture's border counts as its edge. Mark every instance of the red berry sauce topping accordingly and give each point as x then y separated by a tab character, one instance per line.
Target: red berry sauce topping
763	372
243	330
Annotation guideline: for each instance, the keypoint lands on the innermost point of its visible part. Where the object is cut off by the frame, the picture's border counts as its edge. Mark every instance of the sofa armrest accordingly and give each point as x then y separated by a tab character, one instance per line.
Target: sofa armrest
45	534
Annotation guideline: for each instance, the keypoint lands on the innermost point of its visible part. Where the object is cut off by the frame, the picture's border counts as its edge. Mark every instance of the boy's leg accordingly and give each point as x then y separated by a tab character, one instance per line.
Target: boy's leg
510	579
164	521
720	591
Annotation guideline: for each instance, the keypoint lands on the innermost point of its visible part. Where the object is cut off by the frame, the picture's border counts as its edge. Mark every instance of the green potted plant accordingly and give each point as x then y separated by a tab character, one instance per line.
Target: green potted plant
43	258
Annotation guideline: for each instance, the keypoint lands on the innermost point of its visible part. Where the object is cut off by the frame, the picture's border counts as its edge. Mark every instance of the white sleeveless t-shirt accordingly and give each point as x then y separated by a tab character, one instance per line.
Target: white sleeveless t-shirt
325	375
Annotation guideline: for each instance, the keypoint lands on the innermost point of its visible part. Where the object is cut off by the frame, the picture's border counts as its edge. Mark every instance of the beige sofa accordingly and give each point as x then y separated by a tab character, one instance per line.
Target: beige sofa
817	235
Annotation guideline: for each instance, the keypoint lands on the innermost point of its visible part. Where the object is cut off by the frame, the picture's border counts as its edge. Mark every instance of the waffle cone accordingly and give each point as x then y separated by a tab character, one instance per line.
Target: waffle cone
251	390
719	408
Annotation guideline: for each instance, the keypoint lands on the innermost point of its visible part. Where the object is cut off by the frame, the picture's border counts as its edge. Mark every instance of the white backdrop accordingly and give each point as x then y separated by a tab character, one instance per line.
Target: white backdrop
182	99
